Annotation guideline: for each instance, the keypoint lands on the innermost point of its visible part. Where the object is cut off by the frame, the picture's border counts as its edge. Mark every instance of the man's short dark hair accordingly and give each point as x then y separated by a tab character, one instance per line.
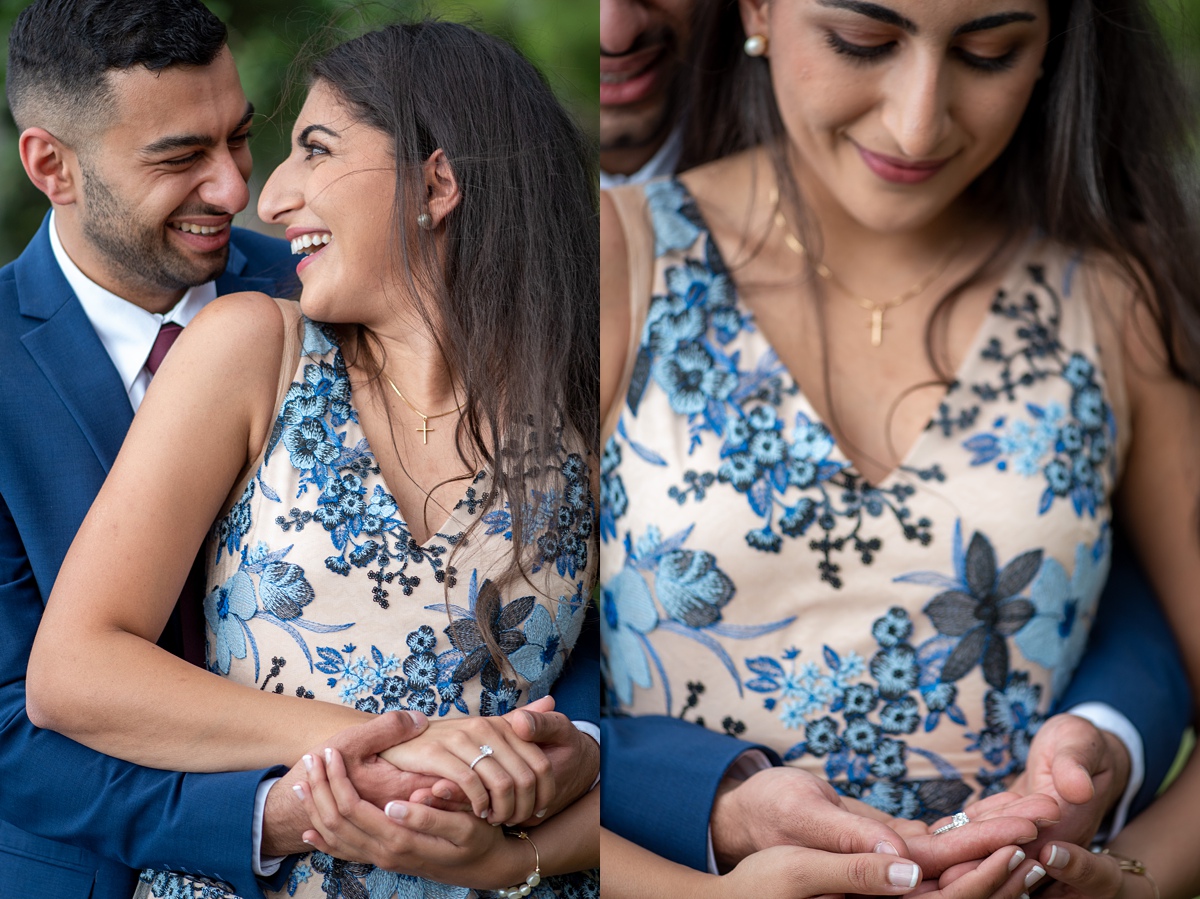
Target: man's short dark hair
60	53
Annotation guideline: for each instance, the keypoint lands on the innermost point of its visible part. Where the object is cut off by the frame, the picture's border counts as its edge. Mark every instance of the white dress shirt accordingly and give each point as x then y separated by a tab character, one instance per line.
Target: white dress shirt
127	331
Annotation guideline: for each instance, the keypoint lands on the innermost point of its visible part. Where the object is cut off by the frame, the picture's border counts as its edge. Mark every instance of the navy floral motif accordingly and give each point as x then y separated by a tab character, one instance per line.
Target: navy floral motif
613	501
858	725
691	589
169	885
983	611
1070	447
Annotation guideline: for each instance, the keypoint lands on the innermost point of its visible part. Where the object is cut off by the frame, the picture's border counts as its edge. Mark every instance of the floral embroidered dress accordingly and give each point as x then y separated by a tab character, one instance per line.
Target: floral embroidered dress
903	639
319	590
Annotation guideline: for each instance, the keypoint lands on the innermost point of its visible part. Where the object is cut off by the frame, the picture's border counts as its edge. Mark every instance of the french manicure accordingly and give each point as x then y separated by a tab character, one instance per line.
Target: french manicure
328	756
484	813
308	762
541	814
1036	873
1017	858
397	811
903	875
1058	857
299	788
886	848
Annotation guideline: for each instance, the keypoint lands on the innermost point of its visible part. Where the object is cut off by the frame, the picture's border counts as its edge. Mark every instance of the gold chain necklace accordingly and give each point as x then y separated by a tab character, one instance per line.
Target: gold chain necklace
424	429
876	309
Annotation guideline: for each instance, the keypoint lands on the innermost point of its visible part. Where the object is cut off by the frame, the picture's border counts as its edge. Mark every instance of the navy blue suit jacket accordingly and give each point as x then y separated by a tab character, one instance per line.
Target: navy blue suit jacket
73	822
659	775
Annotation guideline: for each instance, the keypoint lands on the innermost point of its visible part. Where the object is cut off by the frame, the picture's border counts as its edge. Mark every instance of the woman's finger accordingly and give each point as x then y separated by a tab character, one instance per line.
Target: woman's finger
335	830
937	852
544	790
439	759
1081	871
1005	874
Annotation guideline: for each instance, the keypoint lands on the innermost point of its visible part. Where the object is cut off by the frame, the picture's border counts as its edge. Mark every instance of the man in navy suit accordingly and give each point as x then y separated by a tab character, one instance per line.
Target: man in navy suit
689	794
138	241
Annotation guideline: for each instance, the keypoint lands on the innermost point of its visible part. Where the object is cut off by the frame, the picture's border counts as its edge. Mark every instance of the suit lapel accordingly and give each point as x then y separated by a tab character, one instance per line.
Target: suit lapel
69	353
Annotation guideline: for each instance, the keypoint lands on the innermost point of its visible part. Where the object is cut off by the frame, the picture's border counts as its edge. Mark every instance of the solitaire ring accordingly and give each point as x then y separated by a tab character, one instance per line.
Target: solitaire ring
958	820
484	751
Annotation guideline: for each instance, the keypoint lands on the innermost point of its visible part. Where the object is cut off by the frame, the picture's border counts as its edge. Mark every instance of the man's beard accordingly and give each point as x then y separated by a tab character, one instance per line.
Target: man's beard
139	251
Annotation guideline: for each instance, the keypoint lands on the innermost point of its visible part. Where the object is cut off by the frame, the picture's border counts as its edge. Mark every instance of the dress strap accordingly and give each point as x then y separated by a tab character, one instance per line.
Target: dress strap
293	331
633	213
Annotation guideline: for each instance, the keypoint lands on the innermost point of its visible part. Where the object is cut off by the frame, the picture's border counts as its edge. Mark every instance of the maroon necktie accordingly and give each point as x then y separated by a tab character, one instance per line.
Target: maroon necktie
187	620
166	337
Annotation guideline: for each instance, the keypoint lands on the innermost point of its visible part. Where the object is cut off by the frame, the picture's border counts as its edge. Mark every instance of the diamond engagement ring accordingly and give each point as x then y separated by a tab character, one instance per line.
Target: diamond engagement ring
958	820
484	751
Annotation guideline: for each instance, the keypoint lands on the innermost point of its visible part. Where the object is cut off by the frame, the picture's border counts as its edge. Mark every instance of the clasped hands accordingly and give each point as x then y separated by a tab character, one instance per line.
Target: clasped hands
785	833
399	792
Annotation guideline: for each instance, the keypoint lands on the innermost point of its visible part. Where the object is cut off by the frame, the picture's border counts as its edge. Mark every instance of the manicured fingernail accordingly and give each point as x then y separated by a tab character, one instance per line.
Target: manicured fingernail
299	788
1035	874
495	823
1017	858
328	756
903	875
1058	857
541	814
886	848
307	759
396	810
1024	896
484	813
308	843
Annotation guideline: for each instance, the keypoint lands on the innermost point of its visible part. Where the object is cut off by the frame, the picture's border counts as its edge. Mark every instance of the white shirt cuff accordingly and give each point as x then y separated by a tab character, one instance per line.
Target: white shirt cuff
749	762
263	867
593	731
1107	718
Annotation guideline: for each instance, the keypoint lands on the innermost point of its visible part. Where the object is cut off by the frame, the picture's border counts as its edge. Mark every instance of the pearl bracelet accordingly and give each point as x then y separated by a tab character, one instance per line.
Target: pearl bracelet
524	889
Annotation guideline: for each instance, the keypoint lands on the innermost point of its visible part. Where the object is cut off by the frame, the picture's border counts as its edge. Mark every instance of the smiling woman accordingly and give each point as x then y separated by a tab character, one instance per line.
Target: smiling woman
397	467
873	372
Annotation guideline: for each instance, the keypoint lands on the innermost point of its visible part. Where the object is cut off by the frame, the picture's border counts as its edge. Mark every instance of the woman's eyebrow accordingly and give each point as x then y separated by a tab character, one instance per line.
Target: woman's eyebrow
891	17
995	21
303	136
873	11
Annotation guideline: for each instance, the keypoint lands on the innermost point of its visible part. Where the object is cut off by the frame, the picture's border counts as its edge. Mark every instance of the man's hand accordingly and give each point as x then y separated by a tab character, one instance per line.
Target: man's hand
574	756
1084	769
284	818
787	806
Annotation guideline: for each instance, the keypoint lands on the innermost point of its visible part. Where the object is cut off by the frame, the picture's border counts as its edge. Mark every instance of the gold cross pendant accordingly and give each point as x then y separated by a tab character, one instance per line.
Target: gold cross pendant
877	326
424	430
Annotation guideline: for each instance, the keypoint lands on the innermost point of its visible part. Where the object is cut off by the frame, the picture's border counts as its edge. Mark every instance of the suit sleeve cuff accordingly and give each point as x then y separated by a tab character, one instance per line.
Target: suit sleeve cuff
263	867
749	762
1107	718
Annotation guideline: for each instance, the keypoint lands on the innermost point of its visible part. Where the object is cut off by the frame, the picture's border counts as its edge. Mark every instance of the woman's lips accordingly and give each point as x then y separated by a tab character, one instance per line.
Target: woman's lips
899	171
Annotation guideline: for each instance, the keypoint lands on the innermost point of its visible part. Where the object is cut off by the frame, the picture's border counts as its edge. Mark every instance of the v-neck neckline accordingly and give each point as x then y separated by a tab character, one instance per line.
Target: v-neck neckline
1010	279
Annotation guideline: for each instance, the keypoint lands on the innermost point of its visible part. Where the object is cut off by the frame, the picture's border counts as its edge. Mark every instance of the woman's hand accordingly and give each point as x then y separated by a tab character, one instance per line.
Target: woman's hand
1081	874
449	847
508	785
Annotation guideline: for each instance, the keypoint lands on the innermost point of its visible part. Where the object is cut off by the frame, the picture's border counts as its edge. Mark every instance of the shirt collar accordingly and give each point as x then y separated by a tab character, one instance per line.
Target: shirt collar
661	163
127	331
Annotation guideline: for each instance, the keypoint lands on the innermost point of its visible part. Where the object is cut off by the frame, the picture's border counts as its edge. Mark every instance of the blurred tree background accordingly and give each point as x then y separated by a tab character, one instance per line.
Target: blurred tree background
560	36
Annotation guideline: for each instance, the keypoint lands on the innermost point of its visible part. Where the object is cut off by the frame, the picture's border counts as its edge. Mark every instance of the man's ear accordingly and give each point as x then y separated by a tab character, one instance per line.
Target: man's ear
441	186
51	165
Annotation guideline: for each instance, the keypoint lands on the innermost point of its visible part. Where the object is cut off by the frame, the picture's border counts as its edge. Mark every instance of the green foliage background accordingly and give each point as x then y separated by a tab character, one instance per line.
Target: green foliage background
267	36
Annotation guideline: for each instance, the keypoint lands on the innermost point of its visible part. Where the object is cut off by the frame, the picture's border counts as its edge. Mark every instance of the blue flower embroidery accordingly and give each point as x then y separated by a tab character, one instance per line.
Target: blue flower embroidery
1064	608
691	588
227	609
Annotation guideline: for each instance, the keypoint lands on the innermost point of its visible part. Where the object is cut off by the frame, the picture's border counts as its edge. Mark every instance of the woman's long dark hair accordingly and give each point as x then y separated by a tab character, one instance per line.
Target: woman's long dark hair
1098	161
513	301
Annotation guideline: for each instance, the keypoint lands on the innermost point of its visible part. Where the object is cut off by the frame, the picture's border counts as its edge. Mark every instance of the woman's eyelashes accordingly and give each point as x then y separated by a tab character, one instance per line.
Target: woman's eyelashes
312	149
868	53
